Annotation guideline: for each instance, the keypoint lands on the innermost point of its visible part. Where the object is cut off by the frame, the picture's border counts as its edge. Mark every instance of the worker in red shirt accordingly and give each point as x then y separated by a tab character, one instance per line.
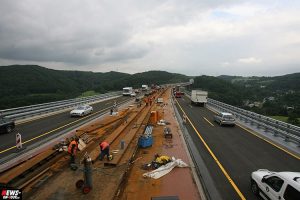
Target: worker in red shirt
104	148
72	150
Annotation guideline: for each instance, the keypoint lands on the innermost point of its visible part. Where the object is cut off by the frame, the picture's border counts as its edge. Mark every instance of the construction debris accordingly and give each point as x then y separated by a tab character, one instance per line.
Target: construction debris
123	139
165	169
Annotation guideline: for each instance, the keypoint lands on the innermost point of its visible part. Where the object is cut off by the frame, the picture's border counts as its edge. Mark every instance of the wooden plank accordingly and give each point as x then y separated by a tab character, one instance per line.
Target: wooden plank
127	138
9	175
112	137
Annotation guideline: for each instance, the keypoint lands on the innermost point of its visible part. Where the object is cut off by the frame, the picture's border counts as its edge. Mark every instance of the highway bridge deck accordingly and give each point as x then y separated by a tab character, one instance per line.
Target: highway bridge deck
39	129
236	149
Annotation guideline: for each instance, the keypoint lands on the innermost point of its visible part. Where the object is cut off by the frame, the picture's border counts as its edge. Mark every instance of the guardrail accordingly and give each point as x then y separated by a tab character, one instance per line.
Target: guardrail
278	128
33	110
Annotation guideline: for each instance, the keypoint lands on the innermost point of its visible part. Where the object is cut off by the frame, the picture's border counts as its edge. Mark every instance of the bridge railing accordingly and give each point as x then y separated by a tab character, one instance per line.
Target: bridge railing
278	128
33	110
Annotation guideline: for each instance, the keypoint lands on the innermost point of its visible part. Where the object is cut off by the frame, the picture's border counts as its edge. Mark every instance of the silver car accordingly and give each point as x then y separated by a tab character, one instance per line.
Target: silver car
224	119
81	111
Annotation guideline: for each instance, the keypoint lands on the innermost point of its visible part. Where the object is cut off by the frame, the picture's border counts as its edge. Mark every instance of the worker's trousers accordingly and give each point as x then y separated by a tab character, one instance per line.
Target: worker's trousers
72	159
104	152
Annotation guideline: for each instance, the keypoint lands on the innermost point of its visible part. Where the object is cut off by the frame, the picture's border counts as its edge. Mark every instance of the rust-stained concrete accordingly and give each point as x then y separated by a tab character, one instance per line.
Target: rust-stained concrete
106	180
179	182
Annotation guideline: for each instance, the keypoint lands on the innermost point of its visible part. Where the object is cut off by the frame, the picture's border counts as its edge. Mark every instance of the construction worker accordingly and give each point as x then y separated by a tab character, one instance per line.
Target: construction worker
72	150
104	148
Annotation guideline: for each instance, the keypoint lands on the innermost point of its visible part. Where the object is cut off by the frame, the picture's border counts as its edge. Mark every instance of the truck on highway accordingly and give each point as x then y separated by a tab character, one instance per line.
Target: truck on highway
127	91
199	97
145	87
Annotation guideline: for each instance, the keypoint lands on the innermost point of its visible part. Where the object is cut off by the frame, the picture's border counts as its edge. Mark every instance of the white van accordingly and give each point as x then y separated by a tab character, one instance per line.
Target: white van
276	185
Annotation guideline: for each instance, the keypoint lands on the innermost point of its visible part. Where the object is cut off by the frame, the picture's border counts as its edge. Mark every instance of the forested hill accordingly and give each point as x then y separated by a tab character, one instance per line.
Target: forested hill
22	85
273	96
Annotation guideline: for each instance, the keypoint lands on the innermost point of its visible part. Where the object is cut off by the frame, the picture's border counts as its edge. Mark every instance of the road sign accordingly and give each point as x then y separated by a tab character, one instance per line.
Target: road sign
18	141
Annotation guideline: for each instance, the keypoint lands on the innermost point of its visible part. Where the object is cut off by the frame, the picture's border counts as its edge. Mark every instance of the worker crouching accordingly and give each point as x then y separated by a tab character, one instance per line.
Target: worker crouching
104	148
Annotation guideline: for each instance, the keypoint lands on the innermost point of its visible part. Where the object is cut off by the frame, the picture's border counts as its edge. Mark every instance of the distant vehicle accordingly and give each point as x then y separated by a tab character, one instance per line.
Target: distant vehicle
199	97
224	119
133	94
81	111
137	91
145	87
178	94
276	185
160	100
6	125
127	91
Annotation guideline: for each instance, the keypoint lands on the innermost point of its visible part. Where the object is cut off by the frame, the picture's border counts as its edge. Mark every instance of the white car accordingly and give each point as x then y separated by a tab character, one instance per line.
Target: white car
81	111
224	118
276	185
133	94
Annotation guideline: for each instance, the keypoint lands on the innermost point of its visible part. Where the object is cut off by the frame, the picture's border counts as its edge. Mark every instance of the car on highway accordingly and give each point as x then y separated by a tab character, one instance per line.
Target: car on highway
224	118
276	185
81	111
6	125
133	94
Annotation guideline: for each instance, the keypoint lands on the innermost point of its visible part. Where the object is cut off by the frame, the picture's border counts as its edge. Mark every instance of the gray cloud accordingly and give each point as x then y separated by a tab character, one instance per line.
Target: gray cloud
191	37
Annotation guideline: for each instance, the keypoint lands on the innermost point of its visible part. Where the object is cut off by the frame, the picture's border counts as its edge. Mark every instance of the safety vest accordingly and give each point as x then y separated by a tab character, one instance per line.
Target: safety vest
70	147
104	145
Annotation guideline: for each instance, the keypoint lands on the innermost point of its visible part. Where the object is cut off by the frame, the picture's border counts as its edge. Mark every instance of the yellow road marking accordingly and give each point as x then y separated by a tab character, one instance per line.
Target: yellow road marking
275	145
260	137
10	148
208	121
214	157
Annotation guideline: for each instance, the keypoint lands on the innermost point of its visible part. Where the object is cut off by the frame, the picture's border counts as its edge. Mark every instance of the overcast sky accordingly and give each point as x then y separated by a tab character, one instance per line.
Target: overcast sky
193	37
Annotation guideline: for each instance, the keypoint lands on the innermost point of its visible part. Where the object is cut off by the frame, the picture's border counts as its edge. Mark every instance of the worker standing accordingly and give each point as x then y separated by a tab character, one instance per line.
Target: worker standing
104	148
72	150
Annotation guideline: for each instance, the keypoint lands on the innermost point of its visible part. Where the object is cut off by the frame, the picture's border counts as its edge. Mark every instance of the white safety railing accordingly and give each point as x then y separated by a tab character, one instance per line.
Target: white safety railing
38	109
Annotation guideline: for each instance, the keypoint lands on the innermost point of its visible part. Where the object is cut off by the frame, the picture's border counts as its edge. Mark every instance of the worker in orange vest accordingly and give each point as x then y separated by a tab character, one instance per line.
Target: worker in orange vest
104	148
72	150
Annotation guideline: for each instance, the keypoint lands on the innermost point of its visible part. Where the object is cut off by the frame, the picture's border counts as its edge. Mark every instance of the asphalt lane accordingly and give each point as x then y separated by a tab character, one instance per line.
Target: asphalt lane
37	127
239	152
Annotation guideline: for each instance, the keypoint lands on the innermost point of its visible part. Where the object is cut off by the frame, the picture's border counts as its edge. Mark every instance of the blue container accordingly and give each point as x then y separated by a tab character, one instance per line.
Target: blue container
145	142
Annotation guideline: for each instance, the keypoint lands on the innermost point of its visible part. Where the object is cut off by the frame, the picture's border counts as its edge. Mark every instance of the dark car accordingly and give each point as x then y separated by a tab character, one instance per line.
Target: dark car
6	125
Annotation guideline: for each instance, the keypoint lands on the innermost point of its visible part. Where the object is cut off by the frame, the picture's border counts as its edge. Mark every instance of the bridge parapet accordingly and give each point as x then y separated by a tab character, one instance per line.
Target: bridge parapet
278	128
38	109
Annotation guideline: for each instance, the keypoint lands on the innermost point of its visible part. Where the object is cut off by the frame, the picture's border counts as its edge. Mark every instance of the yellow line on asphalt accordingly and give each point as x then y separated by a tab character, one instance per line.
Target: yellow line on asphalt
275	145
208	121
268	141
10	148
214	157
